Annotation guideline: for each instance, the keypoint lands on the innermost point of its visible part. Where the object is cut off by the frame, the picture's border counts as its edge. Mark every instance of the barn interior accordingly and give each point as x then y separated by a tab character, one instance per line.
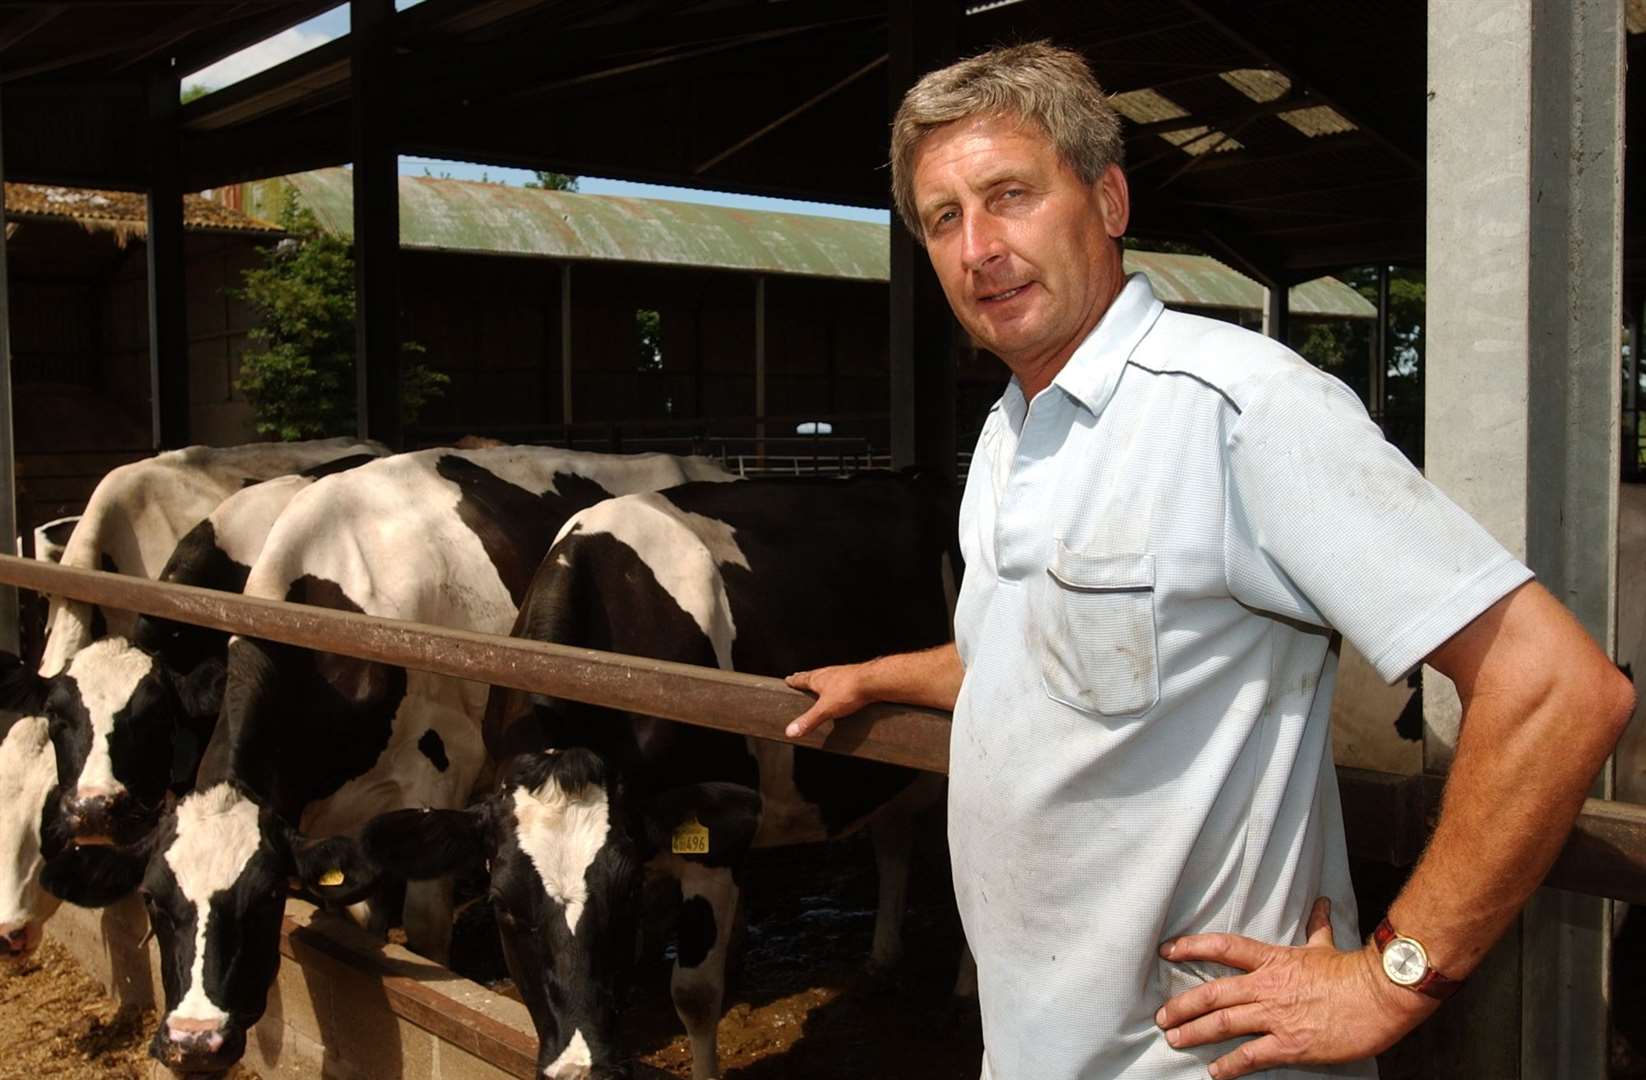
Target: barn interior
1288	139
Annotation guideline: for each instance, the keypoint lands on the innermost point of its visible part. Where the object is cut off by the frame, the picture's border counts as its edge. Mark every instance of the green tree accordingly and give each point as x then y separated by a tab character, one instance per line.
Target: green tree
553	181
299	377
193	91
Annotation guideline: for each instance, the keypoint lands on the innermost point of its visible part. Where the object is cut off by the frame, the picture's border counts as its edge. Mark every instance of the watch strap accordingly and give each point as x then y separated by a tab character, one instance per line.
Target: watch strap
1433	983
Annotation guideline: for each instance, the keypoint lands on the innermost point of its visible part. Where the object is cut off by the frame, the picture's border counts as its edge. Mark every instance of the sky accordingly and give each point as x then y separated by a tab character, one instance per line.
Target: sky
335	23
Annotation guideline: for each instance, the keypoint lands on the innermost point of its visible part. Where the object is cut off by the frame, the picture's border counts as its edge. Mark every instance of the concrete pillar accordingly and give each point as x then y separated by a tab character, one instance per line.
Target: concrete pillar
8	437
923	374
168	307
376	223
1525	144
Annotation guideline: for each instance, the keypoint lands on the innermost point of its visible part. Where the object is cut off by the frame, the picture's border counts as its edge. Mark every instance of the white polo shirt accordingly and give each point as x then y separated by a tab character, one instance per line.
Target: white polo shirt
1158	550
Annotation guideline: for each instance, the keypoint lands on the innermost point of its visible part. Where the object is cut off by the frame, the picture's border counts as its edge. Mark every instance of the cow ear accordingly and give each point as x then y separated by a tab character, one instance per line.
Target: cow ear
95	876
22	689
422	844
200	692
336	870
712	823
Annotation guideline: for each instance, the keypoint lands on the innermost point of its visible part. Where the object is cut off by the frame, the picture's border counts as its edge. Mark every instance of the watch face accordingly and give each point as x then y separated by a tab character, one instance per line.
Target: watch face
1404	962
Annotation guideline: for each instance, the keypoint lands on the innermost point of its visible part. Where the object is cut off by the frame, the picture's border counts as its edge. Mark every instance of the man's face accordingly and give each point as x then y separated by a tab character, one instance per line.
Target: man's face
1022	247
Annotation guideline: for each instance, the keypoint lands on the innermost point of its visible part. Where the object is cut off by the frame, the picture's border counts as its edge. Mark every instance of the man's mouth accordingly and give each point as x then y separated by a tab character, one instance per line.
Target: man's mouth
1006	294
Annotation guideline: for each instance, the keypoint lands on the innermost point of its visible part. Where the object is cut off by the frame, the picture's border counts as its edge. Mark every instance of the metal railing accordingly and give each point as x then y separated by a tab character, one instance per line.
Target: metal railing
1388	817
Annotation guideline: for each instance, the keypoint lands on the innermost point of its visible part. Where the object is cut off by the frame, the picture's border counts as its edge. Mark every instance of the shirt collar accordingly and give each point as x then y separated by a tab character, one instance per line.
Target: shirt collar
1094	369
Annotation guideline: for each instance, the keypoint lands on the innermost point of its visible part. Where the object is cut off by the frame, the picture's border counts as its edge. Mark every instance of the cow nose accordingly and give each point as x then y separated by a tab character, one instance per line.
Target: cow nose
188	1040
90	817
14	940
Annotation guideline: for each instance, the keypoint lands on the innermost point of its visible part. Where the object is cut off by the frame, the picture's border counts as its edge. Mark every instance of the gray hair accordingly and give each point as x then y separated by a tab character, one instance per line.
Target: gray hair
1043	86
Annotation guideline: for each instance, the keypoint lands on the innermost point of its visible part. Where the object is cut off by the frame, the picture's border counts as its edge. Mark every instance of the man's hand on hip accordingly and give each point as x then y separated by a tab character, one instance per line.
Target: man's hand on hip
1307	1005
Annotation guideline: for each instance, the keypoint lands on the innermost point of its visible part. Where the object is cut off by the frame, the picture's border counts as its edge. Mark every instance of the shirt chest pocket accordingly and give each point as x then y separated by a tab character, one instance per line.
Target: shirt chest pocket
1098	632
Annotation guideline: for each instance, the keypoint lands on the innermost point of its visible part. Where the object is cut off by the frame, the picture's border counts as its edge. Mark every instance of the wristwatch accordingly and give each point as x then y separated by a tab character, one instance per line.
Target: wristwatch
1406	963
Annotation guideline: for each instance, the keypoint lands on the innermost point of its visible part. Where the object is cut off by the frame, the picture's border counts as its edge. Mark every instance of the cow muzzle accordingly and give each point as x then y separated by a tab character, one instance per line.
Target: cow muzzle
18	941
198	1046
105	818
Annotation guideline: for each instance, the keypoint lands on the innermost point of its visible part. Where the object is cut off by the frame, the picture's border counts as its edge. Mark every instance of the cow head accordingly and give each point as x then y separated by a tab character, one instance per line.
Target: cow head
28	801
126	727
214	877
565	849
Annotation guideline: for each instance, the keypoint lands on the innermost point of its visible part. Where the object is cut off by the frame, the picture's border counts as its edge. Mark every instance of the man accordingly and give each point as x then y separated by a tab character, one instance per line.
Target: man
1166	523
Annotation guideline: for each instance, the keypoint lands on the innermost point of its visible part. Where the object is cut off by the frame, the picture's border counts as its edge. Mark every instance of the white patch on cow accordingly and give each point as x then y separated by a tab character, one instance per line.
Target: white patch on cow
561	832
217	835
139	512
105	672
684	552
28	770
574	1061
241	523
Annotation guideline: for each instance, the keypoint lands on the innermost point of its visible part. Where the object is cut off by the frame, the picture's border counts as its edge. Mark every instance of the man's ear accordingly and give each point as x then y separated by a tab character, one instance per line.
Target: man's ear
95	876
676	821
422	844
1116	199
336	869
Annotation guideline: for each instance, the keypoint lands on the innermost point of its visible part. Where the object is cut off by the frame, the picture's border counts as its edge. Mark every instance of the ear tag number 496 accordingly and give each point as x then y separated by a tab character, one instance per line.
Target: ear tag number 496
691	837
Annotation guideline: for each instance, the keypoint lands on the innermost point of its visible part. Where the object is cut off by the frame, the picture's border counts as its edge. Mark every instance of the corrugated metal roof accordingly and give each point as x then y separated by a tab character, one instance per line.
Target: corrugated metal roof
1202	281
122	211
459	215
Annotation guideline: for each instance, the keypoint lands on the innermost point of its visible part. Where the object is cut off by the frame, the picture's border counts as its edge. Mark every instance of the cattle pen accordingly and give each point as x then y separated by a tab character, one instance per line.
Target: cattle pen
379	1010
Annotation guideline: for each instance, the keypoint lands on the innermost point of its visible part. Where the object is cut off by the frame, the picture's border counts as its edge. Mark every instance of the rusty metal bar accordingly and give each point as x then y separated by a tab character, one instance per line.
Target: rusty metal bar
726	700
1387	817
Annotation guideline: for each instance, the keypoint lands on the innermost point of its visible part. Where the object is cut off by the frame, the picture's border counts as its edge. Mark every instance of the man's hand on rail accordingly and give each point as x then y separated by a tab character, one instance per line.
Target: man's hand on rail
930	677
840	692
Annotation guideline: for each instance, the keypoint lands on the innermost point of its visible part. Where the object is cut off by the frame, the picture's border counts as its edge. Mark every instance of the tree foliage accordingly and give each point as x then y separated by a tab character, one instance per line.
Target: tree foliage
299	377
553	181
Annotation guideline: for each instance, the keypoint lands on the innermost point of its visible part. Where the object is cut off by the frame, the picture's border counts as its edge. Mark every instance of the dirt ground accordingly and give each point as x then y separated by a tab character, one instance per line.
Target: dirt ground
56	1022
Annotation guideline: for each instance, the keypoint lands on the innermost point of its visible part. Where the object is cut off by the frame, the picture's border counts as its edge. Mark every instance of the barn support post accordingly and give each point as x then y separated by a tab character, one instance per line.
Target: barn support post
1525	135
8	437
566	350
376	223
760	368
923	373
168	309
1377	399
1277	310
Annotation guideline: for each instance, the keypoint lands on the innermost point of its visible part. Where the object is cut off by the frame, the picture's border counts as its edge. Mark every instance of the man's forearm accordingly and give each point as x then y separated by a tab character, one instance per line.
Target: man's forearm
930	677
1527	754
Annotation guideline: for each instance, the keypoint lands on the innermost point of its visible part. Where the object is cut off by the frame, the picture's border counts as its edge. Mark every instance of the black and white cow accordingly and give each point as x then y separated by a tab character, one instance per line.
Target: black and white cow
130	718
139	512
314	744
766	577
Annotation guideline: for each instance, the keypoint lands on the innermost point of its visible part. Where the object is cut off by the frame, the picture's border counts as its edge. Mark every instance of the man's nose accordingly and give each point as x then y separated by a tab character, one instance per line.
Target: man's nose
981	242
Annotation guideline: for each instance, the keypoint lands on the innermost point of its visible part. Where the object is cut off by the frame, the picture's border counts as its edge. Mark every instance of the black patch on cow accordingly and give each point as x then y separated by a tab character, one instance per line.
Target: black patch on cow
821	589
609	599
184	647
337	465
514	525
696	933
106	563
1409	724
281	703
22	691
434	748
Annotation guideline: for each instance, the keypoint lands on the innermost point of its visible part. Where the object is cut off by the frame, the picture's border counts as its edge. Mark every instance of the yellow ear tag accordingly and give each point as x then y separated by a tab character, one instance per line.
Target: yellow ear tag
691	837
331	878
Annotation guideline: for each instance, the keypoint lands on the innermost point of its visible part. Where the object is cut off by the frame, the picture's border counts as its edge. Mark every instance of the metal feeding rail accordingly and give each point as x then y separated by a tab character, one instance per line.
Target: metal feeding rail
1387	816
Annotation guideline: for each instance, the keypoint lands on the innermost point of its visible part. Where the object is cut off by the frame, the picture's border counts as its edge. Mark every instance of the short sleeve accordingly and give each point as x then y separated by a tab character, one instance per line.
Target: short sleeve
1327	523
